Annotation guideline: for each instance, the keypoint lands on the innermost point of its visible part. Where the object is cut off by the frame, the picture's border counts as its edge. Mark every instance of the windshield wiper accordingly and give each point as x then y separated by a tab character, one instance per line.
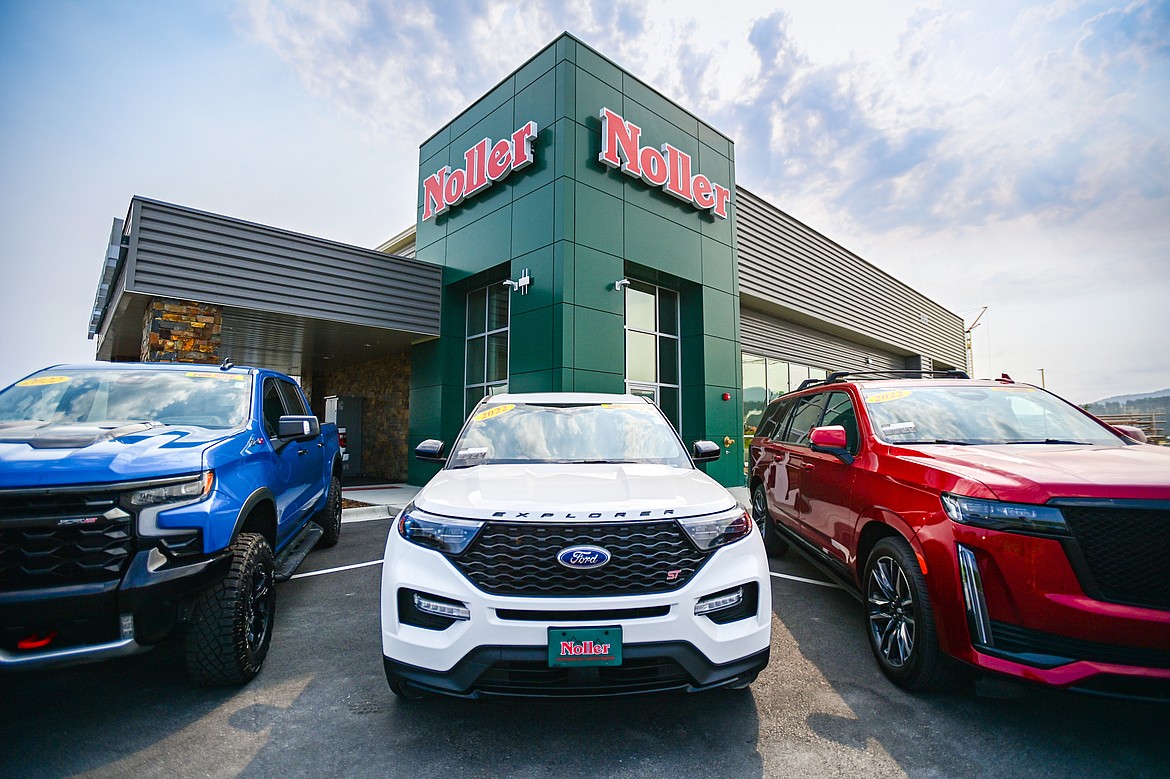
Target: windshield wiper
1053	441
600	462
937	441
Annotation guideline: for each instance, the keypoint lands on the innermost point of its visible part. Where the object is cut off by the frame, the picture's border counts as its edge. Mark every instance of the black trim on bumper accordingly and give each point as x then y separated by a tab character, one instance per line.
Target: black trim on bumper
524	672
154	590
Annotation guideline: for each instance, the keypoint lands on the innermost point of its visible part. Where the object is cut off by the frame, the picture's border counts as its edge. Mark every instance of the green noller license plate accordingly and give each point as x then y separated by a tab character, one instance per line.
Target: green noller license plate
584	646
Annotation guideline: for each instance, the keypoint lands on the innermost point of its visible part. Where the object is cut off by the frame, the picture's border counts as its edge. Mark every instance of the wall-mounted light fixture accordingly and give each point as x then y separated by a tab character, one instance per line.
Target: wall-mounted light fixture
522	285
617	285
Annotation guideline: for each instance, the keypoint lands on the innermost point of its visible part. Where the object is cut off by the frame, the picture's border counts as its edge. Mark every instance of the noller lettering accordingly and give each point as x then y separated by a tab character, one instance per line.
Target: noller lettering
487	163
668	168
587	648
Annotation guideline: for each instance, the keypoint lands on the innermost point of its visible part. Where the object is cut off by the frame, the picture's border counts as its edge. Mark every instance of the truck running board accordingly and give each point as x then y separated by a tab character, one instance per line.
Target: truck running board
291	556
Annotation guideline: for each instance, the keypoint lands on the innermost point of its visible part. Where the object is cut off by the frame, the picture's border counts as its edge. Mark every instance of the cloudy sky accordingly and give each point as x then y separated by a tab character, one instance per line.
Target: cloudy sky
1000	154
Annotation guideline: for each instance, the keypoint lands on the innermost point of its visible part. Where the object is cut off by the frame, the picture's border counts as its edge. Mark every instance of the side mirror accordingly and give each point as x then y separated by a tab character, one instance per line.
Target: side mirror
705	451
298	428
1130	431
831	439
431	451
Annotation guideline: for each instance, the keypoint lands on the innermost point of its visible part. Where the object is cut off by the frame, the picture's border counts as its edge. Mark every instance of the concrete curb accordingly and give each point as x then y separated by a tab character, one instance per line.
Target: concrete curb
369	512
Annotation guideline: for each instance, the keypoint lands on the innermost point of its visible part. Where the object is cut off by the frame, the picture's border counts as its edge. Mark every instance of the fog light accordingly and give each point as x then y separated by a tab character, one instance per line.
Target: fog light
719	601
450	610
977	620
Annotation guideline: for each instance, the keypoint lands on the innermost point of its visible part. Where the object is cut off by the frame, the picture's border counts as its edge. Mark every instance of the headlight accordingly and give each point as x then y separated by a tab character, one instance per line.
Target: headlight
718	530
995	515
186	489
449	536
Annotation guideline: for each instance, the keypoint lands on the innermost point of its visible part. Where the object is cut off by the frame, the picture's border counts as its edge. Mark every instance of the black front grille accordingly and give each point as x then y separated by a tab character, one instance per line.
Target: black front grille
62	538
652	674
1025	641
515	558
1126	550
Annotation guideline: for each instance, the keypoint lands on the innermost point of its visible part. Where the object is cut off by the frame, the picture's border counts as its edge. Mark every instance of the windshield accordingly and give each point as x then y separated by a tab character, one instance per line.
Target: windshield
979	415
111	397
606	432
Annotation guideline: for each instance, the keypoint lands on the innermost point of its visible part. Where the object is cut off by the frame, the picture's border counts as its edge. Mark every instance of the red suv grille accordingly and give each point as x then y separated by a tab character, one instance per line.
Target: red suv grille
1126	550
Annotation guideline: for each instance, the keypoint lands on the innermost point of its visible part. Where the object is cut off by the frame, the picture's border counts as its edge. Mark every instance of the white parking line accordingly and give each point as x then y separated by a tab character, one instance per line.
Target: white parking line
806	581
335	570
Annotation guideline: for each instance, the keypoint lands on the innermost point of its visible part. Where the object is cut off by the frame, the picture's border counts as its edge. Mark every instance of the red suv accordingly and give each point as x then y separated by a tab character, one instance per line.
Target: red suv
982	521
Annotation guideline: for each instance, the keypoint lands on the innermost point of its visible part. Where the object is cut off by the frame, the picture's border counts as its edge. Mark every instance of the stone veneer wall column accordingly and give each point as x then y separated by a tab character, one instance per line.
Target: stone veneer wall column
384	386
180	331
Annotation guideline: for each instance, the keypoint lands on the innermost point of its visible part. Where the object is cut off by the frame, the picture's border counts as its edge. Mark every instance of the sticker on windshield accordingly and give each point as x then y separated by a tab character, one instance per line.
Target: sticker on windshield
209	375
885	397
623	405
493	412
40	381
899	427
473	453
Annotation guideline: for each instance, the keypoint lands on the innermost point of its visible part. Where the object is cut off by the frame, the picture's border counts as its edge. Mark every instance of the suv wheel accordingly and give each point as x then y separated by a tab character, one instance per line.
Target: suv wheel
901	623
231	622
773	543
329	518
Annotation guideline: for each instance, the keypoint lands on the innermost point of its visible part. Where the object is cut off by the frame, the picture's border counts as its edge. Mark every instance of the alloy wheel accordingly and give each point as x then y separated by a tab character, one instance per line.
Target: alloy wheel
892	611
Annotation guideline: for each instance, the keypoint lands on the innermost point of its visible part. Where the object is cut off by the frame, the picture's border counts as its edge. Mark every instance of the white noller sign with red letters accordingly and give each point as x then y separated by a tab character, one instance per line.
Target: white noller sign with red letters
487	163
668	168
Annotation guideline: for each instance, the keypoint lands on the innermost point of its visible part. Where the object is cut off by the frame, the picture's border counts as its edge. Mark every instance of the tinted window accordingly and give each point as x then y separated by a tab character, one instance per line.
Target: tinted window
273	408
839	411
805	417
292	398
773	415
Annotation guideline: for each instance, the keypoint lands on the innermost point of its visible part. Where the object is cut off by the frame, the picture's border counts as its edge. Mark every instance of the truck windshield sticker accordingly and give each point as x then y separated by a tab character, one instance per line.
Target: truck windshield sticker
222	376
493	412
40	381
885	397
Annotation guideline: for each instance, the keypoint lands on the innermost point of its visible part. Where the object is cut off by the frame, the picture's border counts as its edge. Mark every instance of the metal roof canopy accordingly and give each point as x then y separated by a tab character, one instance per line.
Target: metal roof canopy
289	301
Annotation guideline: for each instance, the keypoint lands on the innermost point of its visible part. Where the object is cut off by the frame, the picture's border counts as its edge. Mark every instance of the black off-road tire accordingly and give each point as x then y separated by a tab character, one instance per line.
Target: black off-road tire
329	518
774	543
900	620
230	628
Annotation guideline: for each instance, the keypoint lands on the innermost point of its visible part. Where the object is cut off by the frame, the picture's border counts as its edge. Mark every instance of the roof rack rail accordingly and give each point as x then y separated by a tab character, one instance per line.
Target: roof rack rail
836	376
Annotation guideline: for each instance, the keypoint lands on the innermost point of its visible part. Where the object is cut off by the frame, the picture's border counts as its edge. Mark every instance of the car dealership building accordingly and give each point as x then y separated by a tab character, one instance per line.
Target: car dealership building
576	231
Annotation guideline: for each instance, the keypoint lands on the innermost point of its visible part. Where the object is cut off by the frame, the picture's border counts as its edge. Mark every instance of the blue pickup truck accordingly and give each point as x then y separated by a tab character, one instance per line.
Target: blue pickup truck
141	498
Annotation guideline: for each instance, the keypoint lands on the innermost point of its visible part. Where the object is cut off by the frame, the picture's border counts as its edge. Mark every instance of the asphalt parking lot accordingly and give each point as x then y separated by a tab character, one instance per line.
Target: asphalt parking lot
321	707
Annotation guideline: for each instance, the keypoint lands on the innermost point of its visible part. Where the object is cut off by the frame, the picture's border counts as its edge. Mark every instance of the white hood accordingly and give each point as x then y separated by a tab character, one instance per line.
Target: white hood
573	493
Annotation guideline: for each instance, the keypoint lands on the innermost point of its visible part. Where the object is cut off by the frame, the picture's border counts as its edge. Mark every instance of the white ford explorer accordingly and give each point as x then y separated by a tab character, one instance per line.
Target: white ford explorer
569	546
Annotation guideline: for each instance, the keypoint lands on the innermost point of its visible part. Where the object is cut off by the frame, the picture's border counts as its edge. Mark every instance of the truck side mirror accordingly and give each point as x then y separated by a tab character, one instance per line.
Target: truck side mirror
298	428
431	451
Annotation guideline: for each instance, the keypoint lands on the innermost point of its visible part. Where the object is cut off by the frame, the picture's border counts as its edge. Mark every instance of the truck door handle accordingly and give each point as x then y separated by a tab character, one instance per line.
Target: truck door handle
302	452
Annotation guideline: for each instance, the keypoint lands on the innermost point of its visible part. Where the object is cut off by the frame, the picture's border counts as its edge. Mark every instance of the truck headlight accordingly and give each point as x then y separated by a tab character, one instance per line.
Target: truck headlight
443	534
997	515
718	530
184	489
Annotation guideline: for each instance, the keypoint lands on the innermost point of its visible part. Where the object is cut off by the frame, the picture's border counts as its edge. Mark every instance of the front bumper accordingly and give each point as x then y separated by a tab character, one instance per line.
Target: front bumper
98	621
503	648
1020	611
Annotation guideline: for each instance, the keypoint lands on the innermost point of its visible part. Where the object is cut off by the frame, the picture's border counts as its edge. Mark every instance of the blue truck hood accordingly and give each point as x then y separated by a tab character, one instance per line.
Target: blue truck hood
45	455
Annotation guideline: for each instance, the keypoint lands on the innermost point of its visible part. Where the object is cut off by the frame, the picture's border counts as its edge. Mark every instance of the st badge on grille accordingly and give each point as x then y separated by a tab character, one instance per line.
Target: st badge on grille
583	558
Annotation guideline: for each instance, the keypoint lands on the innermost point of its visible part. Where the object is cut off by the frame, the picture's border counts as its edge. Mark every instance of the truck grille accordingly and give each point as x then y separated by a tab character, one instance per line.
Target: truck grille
521	559
68	537
1126	549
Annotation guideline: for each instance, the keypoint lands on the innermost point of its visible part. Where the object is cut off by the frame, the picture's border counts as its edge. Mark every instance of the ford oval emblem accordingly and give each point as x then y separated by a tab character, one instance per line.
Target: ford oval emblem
583	558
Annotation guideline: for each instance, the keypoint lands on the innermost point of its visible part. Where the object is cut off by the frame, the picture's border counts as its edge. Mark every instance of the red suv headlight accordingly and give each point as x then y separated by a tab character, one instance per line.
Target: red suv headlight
997	515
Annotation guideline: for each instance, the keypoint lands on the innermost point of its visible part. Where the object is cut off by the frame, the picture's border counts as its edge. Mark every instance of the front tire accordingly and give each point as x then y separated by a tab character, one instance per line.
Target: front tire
230	630
901	625
774	544
329	518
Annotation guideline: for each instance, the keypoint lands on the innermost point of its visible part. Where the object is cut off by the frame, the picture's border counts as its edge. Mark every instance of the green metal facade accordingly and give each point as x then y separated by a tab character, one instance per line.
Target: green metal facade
578	226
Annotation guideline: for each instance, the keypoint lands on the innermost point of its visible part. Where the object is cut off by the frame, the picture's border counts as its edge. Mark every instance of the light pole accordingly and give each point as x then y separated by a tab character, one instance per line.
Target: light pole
1041	377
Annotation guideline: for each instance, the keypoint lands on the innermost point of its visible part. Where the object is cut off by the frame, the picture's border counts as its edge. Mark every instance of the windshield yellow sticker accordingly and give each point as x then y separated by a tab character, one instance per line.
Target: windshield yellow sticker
495	411
885	397
40	381
228	376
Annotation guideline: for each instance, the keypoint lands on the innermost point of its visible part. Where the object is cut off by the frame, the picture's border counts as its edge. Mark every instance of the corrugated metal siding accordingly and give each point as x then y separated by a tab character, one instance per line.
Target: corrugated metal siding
771	337
792	266
183	253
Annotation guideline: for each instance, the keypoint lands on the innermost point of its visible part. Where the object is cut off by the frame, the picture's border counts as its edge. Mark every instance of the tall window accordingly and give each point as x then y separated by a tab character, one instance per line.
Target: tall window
487	343
765	378
652	346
